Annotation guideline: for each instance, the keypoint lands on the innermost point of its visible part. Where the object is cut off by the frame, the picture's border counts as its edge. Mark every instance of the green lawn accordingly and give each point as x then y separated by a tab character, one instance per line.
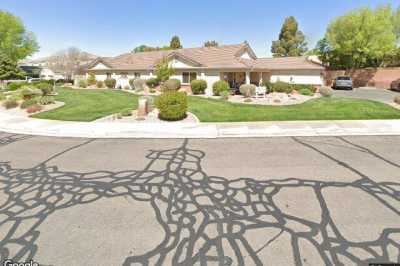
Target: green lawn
319	109
89	105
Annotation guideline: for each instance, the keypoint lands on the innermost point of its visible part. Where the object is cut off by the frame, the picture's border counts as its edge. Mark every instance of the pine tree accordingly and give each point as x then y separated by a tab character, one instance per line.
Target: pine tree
9	68
175	43
291	41
210	44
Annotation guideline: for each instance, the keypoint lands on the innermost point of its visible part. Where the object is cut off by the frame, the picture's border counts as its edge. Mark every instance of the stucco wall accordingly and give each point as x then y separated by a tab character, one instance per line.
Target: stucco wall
374	77
312	77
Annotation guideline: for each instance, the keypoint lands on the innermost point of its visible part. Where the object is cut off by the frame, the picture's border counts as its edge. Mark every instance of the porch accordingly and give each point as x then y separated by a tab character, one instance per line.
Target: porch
236	79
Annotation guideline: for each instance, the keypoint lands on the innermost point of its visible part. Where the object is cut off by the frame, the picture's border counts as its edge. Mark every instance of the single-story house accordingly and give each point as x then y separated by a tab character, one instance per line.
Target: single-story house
237	64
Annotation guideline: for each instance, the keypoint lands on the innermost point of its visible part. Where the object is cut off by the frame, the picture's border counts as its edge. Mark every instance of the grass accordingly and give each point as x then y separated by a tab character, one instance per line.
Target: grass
209	110
89	105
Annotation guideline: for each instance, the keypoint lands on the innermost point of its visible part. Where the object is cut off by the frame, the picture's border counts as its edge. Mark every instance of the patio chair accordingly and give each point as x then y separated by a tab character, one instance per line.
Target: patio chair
261	91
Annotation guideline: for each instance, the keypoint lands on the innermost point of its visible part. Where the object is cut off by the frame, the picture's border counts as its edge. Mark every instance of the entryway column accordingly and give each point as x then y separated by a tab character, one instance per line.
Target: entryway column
247	77
261	79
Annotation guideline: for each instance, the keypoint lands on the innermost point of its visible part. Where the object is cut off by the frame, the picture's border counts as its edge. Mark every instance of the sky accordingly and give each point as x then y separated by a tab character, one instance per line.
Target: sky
109	28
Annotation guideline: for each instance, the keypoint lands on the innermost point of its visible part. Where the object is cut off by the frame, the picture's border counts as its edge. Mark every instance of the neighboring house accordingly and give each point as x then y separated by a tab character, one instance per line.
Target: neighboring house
48	74
237	64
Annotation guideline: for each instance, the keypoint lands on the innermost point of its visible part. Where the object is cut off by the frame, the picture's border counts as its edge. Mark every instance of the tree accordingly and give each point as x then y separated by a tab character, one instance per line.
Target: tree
9	68
210	44
175	43
164	70
145	48
396	23
15	41
361	38
291	41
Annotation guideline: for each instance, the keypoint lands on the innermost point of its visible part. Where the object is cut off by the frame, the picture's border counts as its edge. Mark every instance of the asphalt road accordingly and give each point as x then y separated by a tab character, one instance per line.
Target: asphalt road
277	201
369	93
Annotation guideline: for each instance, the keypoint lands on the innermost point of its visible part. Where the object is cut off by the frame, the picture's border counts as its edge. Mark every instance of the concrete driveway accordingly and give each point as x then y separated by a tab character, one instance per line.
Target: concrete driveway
280	201
368	93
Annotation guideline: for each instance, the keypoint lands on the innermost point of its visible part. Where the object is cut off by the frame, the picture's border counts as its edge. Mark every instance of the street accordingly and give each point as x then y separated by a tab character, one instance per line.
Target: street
258	201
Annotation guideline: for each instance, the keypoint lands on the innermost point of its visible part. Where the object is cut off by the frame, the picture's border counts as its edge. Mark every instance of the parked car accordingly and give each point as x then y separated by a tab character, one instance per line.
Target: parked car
343	82
395	85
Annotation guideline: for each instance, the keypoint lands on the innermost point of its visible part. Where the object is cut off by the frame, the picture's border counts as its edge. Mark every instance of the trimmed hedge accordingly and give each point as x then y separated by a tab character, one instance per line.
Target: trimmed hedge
172	106
172	85
198	86
82	84
152	82
110	83
247	90
220	86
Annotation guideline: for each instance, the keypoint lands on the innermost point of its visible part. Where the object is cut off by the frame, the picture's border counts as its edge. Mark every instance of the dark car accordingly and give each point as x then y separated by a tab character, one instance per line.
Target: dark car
395	85
343	82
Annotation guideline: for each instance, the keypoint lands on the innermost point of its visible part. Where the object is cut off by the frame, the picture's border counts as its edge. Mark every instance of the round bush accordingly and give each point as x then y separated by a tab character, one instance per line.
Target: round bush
138	84
45	87
10	103
325	91
220	86
152	82
268	85
100	84
25	104
172	85
306	92
247	90
198	86
110	83
82	84
397	99
172	106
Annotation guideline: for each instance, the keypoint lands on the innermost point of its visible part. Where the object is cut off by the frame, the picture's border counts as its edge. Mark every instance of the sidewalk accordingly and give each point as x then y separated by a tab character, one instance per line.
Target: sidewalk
31	126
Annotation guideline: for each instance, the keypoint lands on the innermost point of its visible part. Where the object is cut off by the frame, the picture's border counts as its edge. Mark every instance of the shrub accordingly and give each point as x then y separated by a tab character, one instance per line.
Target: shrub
247	90
150	102
138	84
172	105
268	85
306	92
25	104
299	87
91	80
100	84
34	108
325	91
110	83
82	83
131	83
397	99
198	86
224	95
171	85
281	86
45	87
13	86
27	93
126	112
10	103
220	86
152	82
2	97
45	100
248	100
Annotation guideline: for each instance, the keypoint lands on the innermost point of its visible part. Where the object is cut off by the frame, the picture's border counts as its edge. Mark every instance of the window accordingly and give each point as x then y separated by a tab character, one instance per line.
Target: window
108	75
137	75
187	77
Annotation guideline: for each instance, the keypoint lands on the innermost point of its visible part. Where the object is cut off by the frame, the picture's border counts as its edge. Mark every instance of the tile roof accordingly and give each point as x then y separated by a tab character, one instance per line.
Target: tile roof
225	56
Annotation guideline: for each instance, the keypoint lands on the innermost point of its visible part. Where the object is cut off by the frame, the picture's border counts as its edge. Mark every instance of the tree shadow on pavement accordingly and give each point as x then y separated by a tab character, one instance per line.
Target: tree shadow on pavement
206	219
